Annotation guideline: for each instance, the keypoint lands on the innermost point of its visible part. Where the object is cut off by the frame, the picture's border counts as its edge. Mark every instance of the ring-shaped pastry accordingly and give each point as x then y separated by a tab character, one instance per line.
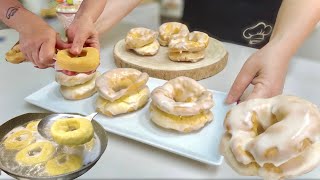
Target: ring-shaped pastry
36	153
87	61
182	96
172	30
140	37
274	138
72	131
120	82
19	140
63	164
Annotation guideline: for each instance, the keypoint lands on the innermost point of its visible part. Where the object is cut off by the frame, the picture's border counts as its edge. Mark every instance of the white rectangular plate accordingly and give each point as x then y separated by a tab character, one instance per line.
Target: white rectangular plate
202	145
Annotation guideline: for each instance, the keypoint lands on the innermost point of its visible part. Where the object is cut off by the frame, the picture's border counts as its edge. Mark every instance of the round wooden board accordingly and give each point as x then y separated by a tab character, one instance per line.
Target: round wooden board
160	66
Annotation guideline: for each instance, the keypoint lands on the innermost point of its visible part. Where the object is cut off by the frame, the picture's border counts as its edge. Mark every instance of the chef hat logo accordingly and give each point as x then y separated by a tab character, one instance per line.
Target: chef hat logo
257	33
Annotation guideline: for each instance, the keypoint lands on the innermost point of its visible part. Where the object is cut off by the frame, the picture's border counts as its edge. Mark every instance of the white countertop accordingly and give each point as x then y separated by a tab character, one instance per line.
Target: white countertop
125	158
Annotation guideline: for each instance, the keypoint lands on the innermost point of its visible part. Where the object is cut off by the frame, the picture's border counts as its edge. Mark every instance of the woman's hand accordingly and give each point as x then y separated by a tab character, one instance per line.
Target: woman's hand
265	70
82	33
38	43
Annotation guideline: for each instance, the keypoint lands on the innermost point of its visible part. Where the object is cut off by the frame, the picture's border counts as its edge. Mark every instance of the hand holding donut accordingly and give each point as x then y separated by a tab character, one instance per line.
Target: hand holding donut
266	70
39	45
82	33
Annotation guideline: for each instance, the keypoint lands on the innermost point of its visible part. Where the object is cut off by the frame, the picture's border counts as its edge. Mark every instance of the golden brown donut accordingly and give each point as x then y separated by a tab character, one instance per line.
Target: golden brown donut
14	55
87	61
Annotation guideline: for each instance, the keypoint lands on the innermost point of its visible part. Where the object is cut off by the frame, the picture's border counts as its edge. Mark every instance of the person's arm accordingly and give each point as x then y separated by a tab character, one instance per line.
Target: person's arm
82	30
37	39
266	69
113	12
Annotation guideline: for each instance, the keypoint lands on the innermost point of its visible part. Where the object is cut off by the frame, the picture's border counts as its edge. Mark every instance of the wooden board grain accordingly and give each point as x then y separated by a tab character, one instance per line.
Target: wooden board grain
160	66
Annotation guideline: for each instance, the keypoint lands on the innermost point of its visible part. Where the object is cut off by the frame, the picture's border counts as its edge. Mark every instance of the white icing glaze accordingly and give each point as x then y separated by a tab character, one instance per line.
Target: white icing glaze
150	49
81	91
172	30
287	121
66	80
140	37
120	82
194	42
182	96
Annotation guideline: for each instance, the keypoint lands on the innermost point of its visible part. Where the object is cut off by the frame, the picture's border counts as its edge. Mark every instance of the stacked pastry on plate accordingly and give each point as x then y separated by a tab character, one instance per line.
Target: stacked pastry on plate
182	45
77	74
122	91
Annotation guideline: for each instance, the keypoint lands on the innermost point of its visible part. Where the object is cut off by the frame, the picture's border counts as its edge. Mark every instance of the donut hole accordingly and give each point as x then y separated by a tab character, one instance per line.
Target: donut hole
181	95
119	87
22	137
82	54
73	126
62	159
123	83
35	151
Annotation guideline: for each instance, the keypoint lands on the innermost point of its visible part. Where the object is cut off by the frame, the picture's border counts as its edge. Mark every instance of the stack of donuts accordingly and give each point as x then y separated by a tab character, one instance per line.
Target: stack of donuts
182	45
181	104
275	138
121	91
77	75
143	41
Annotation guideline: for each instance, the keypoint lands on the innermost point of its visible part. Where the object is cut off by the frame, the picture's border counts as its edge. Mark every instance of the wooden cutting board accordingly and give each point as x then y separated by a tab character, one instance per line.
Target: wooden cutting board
160	66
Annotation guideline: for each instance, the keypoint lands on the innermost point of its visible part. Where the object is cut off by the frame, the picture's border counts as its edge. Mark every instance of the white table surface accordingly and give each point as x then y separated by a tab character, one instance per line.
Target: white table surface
125	158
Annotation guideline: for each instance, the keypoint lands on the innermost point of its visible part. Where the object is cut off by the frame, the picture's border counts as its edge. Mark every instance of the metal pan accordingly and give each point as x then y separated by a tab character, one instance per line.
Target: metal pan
22	119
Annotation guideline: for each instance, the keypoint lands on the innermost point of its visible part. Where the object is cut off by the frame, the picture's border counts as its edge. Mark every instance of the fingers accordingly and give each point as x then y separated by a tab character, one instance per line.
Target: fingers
60	44
78	43
47	51
242	81
259	91
36	60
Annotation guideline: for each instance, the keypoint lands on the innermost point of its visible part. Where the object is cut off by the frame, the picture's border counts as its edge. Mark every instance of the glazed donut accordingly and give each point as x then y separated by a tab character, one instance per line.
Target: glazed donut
69	81
33	125
87	61
190	48
124	104
148	50
120	82
81	91
72	131
182	96
140	37
172	30
181	104
274	138
63	164
194	42
14	55
36	153
19	140
186	56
